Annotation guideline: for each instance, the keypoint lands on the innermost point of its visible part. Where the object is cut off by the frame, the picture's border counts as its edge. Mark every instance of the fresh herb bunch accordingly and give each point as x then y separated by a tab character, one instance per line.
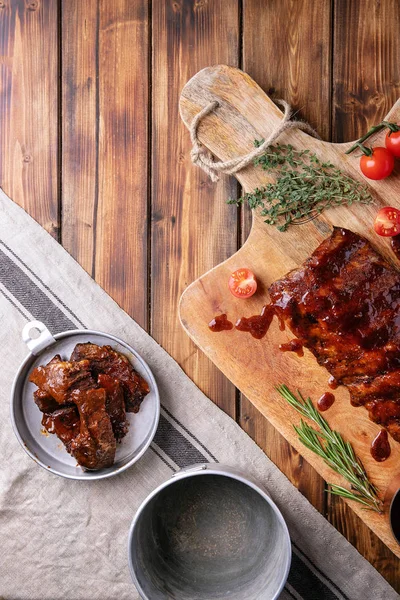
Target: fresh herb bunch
305	186
337	453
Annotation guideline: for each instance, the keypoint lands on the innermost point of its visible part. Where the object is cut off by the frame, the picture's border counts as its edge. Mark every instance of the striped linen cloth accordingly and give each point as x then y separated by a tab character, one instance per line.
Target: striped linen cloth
65	539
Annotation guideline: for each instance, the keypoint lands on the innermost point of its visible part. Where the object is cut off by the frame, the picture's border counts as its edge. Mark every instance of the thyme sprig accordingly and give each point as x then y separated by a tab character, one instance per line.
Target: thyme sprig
304	187
335	451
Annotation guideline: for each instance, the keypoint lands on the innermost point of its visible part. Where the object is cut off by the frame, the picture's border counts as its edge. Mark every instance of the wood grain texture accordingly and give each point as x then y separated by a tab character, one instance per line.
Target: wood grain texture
79	129
192	228
105	136
366	65
29	107
245	112
297	34
120	264
366	82
103	116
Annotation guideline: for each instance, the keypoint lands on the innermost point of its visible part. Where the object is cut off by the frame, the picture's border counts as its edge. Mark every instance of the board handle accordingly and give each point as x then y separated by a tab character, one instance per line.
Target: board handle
245	113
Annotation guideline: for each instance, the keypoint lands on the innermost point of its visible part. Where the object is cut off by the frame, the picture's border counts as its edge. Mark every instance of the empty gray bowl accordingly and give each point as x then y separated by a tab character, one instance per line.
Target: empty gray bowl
206	534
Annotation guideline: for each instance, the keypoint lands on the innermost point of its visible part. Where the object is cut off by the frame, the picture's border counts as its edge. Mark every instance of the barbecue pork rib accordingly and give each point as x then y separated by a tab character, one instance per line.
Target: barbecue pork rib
85	428
115	405
103	359
59	378
65	423
94	447
343	304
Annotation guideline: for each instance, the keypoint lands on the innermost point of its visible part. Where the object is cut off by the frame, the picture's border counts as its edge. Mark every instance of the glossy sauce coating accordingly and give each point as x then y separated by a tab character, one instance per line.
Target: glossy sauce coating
257	325
293	346
344	303
333	384
380	447
395	243
220	323
325	401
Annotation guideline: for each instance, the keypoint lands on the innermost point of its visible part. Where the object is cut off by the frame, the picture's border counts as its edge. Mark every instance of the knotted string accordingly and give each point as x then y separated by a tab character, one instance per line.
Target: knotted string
205	160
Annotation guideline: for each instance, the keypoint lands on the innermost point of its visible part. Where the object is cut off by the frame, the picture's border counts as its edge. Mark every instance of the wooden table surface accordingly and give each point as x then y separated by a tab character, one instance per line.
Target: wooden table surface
92	146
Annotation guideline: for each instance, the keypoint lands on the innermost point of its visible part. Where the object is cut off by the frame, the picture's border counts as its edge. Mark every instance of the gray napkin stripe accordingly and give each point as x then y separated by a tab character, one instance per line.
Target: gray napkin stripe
37	299
31	296
158	452
303	577
15	304
291	592
176	445
56	301
186	430
40	305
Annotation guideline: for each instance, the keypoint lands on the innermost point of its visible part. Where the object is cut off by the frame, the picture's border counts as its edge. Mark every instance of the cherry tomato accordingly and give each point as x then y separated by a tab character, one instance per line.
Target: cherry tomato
387	222
392	143
379	165
242	283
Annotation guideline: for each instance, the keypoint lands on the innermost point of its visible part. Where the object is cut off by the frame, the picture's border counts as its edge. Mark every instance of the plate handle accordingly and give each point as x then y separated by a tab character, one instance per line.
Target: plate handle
191	469
41	341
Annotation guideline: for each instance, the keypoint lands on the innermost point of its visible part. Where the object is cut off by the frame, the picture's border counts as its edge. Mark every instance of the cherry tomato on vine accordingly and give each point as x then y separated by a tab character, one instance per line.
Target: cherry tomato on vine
379	165
387	222
242	283
392	143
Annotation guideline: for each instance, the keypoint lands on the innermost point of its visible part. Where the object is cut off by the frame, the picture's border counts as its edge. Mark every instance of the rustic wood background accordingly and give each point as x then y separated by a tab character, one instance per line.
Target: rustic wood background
92	146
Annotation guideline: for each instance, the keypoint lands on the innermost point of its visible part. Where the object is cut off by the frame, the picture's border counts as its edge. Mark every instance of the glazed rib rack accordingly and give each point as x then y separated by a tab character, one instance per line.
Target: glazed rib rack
343	304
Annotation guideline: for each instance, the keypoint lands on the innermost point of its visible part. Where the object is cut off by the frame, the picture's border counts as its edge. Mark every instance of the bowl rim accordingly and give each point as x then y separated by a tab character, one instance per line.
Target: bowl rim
210	469
391	518
94	475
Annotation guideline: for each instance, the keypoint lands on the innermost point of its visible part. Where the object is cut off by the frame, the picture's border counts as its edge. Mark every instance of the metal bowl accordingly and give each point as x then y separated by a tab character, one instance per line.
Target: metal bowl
47	450
209	533
394	516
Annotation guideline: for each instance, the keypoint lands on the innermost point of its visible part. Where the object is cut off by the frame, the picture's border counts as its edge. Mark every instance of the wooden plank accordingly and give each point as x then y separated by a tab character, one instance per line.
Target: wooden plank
366	82
80	129
283	30
28	107
256	366
105	99
366	65
366	542
192	227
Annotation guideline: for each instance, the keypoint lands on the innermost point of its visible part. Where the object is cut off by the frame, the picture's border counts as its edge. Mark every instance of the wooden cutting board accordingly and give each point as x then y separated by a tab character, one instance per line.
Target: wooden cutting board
245	113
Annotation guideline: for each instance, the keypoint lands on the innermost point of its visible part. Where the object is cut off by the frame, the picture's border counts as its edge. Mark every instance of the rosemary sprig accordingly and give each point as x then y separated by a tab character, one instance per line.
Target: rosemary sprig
335	451
304	187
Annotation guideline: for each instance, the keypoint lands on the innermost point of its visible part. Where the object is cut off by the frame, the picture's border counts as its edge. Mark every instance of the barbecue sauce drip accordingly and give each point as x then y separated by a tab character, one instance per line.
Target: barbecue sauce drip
325	401
395	243
333	384
380	447
293	346
220	323
257	325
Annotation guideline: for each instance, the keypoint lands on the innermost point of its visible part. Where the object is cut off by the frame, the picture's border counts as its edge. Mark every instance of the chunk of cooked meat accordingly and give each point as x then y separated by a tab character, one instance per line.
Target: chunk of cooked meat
115	405
65	423
45	402
103	359
343	304
59	378
94	447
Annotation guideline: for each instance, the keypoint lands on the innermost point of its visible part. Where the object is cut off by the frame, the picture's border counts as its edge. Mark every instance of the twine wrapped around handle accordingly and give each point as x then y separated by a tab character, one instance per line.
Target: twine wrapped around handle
203	158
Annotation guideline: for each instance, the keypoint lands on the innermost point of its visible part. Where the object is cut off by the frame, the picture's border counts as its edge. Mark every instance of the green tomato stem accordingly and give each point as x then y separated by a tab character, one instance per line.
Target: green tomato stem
393	127
364	149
